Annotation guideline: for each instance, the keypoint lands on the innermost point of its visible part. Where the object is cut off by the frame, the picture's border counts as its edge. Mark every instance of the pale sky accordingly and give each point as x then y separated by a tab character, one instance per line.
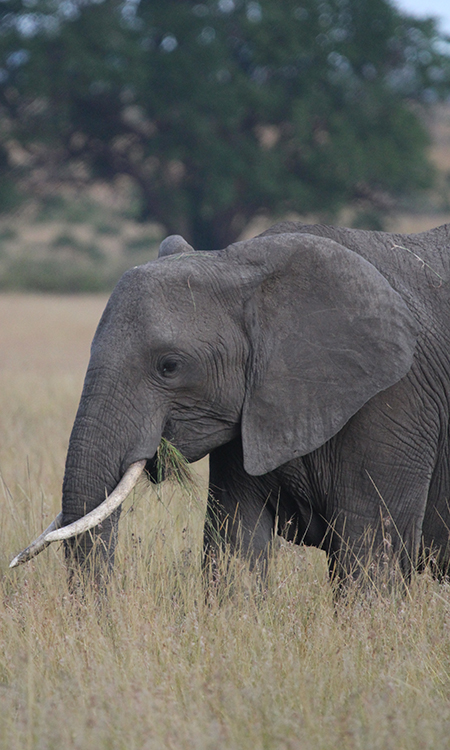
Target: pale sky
420	8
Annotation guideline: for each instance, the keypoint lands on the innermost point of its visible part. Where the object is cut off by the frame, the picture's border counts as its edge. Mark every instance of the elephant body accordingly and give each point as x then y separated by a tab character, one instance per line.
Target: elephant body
311	363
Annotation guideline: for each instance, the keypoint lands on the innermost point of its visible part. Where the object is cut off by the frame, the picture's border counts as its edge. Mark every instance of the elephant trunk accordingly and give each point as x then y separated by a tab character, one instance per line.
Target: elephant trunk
107	453
98	457
98	521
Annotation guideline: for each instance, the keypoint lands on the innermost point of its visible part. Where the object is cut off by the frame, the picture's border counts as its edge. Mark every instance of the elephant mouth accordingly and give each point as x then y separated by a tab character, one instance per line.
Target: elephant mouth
153	470
57	532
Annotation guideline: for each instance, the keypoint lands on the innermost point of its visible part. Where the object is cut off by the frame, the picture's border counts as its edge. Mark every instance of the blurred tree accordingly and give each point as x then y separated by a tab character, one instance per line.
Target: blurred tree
223	108
9	195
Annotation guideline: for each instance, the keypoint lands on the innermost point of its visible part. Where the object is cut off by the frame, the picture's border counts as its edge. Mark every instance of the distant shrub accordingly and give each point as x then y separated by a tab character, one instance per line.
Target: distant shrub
89	249
7	233
105	227
76	210
92	251
10	196
65	240
80	211
369	219
51	208
140	245
56	275
62	257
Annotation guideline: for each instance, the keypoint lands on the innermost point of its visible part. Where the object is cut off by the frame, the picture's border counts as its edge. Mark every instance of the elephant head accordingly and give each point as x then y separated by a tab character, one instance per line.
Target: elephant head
281	339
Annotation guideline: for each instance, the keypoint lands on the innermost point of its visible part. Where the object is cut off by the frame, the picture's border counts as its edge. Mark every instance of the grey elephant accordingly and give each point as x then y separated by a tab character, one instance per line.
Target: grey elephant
311	363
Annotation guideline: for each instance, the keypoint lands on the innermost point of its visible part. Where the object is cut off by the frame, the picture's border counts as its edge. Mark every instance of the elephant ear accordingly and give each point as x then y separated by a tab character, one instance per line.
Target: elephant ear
327	333
173	245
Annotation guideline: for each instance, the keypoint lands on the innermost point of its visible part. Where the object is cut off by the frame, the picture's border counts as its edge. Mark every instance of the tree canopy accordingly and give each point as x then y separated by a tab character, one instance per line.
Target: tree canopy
220	109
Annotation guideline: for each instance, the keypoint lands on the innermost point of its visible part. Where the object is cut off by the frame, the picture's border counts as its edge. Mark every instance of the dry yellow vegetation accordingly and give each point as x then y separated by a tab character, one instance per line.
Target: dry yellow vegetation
157	665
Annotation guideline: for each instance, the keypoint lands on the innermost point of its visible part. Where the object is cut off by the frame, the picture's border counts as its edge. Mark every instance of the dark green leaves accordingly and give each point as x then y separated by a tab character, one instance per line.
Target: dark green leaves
220	109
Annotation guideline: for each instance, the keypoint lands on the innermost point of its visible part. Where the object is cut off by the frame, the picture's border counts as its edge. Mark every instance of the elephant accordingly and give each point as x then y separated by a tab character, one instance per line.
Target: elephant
310	362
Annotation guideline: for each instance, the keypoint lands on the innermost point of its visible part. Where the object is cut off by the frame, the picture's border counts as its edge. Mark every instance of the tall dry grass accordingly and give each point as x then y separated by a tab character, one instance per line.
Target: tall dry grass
159	665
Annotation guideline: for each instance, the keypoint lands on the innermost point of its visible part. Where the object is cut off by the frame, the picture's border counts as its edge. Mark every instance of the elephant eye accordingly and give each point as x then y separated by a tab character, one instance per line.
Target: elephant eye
168	367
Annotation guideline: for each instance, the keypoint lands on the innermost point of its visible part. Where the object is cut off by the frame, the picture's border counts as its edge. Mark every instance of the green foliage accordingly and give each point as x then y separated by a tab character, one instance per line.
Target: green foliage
51	207
370	219
218	110
66	241
139	245
53	275
10	196
7	233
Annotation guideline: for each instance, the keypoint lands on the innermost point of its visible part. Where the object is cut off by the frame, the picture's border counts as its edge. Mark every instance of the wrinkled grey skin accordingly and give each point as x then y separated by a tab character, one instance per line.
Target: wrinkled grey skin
311	363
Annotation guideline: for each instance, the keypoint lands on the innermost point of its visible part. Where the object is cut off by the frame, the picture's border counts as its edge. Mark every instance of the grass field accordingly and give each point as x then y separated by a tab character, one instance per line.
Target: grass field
157	666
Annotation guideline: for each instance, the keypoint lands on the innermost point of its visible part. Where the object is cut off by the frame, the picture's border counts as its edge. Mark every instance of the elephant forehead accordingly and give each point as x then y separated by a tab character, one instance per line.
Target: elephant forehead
175	282
186	297
166	302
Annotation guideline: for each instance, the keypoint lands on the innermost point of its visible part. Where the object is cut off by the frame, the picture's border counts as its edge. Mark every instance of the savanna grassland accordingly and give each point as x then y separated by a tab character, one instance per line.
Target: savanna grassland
159	665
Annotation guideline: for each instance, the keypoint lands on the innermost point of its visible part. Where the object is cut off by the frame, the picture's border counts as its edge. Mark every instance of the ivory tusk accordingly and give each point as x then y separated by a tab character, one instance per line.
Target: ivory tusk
55	532
102	511
38	545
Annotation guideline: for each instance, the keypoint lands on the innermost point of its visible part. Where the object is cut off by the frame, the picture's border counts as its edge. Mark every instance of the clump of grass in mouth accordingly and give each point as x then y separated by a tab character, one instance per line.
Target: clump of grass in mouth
171	464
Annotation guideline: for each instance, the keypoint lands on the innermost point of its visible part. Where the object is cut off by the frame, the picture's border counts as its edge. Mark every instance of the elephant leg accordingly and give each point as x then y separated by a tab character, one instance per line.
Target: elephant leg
241	511
376	507
380	543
